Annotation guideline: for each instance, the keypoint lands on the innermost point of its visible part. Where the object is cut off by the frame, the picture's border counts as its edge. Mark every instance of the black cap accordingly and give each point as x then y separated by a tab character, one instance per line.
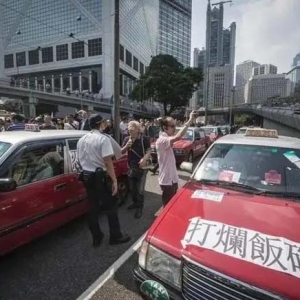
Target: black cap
95	119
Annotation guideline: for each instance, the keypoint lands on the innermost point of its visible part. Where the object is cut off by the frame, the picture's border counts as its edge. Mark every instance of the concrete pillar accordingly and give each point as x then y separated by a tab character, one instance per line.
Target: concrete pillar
80	82
108	49
61	83
32	106
70	82
36	83
90	109
52	83
28	83
44	83
90	81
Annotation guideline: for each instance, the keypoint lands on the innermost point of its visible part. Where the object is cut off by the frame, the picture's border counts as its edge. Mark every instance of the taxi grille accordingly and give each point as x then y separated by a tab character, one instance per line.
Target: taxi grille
199	282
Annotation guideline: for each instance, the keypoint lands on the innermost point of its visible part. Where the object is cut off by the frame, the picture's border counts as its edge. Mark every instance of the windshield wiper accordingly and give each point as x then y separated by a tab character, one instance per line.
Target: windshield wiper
231	184
281	194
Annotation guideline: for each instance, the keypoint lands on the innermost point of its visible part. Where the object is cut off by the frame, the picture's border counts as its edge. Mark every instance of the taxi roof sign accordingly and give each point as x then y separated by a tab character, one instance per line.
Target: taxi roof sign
262	132
32	127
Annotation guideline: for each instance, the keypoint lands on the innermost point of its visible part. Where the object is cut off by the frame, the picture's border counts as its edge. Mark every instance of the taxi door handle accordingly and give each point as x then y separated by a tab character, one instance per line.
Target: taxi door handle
60	187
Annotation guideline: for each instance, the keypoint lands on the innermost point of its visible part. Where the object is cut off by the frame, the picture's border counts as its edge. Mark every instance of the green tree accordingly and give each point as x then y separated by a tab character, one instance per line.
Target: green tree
167	81
243	119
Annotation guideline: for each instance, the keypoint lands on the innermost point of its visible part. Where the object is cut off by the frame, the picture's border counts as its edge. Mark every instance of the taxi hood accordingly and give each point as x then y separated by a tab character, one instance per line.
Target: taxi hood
182	144
218	228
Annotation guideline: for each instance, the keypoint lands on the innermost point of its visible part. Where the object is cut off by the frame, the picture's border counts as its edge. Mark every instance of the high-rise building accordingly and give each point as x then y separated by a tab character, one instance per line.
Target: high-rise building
294	76
262	87
296	60
243	74
219	86
198	62
175	18
265	69
220	56
71	43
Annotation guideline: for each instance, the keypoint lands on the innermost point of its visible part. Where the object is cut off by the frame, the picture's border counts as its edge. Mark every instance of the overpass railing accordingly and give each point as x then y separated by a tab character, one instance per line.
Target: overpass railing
134	106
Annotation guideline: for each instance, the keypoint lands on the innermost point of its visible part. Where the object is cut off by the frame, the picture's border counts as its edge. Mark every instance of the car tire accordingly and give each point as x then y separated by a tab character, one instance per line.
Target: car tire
190	157
123	189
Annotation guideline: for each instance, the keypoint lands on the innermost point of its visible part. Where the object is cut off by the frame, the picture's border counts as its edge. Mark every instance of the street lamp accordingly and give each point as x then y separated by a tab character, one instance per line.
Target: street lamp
231	103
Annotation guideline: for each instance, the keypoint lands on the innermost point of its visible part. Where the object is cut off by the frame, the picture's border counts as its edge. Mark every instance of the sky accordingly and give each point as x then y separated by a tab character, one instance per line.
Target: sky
268	31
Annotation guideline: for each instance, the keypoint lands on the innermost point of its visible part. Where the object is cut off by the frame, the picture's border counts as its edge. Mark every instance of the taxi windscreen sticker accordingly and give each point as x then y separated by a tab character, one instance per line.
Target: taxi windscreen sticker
208	195
272	252
293	158
272	177
74	161
229	176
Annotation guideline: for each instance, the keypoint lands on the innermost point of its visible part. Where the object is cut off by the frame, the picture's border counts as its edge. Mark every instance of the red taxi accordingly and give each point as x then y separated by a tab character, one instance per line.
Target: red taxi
213	132
193	144
39	187
233	231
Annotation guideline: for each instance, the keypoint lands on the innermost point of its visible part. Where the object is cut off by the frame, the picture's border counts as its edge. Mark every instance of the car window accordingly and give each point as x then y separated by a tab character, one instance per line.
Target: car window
202	134
72	145
209	130
197	134
37	163
4	147
188	135
266	168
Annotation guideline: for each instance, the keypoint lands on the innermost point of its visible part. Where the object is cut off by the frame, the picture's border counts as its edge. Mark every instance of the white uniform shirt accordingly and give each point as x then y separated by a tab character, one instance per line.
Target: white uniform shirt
166	161
91	149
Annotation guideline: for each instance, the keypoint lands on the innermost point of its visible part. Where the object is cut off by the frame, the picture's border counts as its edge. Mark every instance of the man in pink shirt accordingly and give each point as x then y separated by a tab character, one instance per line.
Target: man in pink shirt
168	176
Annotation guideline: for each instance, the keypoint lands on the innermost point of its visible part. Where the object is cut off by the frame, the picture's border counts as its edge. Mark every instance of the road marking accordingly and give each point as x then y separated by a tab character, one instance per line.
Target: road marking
91	291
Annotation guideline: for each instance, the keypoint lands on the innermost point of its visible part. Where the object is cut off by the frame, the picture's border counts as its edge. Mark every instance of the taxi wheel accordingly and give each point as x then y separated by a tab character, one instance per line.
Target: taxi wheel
190	157
123	190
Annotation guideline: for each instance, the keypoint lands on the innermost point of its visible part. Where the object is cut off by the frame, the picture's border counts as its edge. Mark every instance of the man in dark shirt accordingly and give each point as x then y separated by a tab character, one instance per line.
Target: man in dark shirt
138	151
18	123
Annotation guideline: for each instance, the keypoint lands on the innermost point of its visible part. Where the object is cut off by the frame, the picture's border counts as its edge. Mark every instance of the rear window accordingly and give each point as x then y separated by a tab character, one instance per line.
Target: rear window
4	147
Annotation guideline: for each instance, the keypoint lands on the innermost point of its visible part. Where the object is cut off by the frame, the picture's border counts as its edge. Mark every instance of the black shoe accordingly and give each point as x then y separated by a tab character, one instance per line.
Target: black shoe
153	171
138	213
122	240
97	241
132	206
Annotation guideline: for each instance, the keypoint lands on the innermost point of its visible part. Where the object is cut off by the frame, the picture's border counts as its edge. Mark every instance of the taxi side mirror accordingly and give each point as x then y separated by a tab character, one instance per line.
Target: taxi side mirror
7	184
187	167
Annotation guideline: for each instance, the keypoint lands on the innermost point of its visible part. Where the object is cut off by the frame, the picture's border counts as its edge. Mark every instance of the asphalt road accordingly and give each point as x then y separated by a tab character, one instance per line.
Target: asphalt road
62	265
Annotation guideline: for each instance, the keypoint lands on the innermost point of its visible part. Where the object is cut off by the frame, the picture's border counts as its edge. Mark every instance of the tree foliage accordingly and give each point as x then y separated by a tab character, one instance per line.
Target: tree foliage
243	119
167	81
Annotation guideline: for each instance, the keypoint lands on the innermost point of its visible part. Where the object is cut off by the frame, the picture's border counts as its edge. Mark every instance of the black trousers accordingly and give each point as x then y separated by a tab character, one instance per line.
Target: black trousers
101	199
168	191
137	188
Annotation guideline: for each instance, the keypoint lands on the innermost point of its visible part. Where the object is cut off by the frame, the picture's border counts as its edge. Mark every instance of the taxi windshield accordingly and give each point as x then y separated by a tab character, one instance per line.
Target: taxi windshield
4	147
188	135
209	130
266	169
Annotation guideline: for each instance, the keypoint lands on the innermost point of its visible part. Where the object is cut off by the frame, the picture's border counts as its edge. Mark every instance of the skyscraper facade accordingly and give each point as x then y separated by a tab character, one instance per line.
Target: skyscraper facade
264	70
244	72
175	18
220	57
71	43
296	60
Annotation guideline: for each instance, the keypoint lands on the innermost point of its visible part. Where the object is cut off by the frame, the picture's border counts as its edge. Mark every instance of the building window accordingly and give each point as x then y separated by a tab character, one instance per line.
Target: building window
128	58
21	59
77	50
62	52
33	57
135	64
95	47
47	55
142	71
121	53
8	61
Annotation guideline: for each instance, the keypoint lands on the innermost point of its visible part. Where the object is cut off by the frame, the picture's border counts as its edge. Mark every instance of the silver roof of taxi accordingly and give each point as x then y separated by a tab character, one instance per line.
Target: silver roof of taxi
281	141
14	137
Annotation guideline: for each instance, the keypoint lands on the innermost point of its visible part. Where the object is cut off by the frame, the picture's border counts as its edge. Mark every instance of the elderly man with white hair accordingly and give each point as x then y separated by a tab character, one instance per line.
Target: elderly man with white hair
138	150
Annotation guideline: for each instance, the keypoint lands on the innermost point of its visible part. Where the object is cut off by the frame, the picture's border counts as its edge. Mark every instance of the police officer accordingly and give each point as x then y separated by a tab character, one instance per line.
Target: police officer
95	154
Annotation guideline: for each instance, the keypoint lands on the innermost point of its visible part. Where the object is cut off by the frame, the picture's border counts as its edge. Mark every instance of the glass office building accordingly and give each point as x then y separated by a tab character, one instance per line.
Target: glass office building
175	18
70	44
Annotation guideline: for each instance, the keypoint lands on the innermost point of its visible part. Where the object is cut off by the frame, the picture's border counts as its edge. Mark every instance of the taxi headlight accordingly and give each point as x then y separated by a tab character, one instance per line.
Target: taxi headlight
160	264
